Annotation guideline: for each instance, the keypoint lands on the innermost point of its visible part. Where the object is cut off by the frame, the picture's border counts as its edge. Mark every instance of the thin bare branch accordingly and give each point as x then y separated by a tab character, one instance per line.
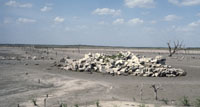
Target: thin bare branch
177	46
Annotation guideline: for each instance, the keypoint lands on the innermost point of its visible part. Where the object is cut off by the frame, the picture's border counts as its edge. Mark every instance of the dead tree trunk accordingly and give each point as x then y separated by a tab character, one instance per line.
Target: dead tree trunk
78	47
141	92
173	50
45	101
155	89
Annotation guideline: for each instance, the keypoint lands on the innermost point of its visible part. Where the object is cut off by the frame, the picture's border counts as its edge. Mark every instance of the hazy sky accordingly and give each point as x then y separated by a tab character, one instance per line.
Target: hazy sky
144	23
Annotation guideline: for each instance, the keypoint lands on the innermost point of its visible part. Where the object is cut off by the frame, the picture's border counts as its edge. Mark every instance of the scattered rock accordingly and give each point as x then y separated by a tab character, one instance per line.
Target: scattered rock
34	58
42	57
62	60
28	57
48	69
2	58
59	65
13	58
51	58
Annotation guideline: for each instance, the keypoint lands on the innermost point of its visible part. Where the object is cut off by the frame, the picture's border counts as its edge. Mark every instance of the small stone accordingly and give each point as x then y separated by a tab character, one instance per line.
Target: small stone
59	65
34	57
118	73
182	73
156	74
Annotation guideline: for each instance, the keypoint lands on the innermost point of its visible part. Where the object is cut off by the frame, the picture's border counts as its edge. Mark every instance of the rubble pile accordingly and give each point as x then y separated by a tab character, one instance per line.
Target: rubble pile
123	63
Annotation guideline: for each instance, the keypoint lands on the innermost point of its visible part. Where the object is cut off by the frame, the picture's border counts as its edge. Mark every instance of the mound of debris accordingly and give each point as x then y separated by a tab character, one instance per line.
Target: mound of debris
123	63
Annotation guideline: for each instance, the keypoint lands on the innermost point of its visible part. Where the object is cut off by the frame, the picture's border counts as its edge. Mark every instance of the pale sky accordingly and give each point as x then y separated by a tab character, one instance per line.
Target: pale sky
133	23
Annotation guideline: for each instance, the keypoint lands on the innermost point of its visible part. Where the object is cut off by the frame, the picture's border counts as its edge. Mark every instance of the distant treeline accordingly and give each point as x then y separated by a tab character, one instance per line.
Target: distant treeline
85	46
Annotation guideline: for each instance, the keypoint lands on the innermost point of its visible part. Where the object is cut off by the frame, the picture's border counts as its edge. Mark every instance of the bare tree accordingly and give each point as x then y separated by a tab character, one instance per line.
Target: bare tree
45	100
155	89
173	50
78	47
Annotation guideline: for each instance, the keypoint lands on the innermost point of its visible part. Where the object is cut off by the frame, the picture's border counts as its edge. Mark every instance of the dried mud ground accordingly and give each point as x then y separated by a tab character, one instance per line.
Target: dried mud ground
25	80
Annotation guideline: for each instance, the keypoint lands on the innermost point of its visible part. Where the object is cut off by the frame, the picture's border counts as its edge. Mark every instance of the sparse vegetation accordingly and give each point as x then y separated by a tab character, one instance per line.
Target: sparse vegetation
115	106
141	105
97	104
134	99
34	101
76	105
119	55
185	101
165	101
63	105
197	102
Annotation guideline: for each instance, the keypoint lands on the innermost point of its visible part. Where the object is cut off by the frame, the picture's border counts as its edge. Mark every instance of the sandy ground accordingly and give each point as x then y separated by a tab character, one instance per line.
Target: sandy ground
25	80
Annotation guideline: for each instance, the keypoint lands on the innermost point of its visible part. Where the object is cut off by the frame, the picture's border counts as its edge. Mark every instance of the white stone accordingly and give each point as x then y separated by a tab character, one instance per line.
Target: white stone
34	57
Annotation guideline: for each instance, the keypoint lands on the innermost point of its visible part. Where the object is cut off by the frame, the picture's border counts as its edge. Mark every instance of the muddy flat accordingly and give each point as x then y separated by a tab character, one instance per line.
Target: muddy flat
25	81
